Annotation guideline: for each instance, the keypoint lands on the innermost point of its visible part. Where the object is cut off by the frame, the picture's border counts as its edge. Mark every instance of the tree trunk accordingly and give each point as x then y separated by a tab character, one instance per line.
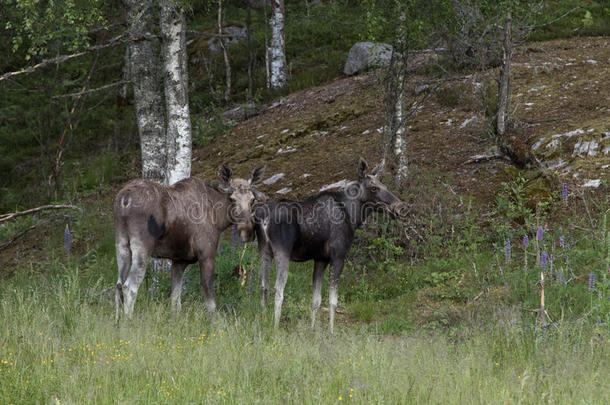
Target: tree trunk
227	95
503	82
267	61
173	31
395	153
249	42
144	74
278	46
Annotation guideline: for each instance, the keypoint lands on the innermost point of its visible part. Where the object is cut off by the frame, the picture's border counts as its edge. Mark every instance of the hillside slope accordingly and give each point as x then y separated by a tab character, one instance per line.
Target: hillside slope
560	99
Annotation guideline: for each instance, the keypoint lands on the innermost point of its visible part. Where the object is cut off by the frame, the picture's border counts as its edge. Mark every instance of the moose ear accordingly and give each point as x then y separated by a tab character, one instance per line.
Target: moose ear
257	174
362	166
259	196
376	172
225	173
220	188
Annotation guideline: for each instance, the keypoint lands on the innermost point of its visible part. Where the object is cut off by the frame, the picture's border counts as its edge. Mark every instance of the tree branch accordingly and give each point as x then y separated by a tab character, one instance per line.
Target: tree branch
8	217
62	58
17	236
80	93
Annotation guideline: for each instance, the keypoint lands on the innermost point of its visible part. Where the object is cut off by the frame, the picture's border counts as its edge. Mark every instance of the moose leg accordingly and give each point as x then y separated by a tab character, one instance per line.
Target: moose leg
318	275
177	282
266	261
335	273
206	266
123	259
139	257
283	262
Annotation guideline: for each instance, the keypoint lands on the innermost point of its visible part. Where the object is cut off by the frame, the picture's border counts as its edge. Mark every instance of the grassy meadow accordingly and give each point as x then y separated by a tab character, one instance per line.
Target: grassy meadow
59	345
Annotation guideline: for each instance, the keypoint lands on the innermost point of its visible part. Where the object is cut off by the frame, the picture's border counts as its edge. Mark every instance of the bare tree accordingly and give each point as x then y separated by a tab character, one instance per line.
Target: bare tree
504	79
267	59
145	78
178	136
395	153
223	46
249	42
277	48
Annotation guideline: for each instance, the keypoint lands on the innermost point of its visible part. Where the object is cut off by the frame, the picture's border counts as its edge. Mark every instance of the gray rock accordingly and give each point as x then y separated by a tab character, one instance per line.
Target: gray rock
420	89
285	190
234	32
366	55
274	178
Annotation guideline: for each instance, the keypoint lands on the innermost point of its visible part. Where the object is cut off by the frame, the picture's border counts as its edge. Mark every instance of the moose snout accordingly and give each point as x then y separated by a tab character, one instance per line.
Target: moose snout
400	209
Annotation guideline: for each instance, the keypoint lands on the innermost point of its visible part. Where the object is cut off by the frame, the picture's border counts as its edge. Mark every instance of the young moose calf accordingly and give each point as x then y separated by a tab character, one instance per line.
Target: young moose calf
321	228
181	222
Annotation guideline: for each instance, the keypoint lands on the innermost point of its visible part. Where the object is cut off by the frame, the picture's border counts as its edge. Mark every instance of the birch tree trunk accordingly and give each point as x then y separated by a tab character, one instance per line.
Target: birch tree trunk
503	82
277	48
143	58
173	32
225	54
396	114
267	61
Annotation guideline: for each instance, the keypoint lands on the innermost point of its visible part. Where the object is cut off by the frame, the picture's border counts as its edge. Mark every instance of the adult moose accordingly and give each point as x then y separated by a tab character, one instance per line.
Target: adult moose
181	222
320	228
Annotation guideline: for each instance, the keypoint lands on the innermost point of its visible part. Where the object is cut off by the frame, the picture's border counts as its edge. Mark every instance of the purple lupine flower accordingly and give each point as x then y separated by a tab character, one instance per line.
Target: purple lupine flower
234	236
219	249
543	260
591	281
526	241
67	240
539	233
507	250
564	192
562	242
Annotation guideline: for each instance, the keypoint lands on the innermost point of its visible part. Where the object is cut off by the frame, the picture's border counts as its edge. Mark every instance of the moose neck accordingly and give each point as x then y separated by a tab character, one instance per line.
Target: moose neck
354	206
221	217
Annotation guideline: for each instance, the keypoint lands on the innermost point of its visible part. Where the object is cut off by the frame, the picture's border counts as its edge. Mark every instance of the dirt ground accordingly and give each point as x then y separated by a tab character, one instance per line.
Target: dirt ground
560	99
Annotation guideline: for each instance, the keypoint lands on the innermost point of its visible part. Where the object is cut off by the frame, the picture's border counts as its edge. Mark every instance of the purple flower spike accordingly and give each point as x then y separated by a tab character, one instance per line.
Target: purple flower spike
507	250
234	236
562	242
67	240
526	241
591	281
564	192
539	233
543	260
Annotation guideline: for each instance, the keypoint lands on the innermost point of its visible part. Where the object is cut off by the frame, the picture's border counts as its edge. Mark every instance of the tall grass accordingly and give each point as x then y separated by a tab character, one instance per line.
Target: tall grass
59	344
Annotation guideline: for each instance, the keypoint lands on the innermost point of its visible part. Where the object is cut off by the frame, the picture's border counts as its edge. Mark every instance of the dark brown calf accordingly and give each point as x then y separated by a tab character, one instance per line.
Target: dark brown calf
320	228
181	222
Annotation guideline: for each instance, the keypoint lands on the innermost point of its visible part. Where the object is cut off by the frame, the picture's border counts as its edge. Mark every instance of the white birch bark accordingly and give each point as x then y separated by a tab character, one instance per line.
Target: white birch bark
179	146
277	49
144	74
396	142
503	81
267	62
227	95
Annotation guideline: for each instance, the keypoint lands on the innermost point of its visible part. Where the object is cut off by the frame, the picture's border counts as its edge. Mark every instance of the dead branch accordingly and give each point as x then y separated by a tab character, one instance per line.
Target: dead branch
80	93
62	58
17	236
209	34
8	217
482	158
60	146
556	19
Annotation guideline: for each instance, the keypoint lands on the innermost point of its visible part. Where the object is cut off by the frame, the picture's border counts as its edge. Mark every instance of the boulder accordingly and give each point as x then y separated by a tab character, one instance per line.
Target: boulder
234	34
366	55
